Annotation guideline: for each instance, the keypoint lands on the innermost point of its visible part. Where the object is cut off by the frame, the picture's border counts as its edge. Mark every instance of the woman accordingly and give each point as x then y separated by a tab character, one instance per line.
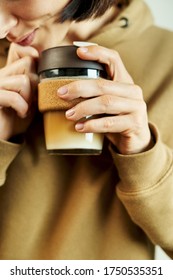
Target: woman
117	205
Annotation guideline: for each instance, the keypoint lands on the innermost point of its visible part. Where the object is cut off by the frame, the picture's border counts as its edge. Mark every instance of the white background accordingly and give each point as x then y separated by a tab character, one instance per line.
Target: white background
163	14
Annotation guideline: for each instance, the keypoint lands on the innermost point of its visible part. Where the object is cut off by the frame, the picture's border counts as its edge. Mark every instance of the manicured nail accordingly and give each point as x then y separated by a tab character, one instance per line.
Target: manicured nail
62	90
84	44
79	126
84	50
70	113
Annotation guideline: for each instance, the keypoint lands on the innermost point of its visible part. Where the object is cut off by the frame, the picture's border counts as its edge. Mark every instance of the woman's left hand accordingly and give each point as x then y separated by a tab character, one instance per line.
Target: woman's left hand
124	119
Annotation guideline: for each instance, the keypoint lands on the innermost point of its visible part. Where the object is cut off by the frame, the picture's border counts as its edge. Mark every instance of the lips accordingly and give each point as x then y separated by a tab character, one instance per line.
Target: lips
25	40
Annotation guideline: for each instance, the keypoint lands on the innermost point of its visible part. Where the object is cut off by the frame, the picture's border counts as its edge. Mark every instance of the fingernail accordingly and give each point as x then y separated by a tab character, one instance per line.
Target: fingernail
62	90
84	50
79	126
83	44
70	113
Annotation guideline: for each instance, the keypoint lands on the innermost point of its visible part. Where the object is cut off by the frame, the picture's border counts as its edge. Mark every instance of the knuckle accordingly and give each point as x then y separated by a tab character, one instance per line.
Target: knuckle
138	91
142	106
108	124
15	97
81	109
101	85
138	125
76	86
140	115
90	126
106	101
115	55
28	62
25	80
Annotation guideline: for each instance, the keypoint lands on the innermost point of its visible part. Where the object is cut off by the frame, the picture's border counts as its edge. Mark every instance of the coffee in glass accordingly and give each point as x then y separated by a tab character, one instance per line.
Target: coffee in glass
57	67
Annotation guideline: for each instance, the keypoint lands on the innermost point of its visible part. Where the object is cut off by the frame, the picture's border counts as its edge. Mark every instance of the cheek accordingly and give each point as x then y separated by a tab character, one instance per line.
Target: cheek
32	12
30	15
36	8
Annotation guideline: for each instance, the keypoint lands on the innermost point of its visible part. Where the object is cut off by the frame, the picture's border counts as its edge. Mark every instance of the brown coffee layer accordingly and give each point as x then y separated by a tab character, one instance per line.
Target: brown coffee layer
48	99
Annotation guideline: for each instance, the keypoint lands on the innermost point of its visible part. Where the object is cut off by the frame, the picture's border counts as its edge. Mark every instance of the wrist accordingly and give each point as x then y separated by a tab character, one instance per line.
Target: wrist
124	149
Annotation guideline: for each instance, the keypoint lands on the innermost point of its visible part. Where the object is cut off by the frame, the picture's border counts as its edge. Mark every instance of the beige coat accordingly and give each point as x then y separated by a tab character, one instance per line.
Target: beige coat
97	207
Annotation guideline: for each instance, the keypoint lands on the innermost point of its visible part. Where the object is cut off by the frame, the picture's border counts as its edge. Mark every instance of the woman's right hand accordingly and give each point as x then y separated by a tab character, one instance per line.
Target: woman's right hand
18	83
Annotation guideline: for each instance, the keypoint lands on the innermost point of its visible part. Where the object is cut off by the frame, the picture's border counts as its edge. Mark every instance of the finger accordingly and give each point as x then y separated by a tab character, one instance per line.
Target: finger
22	66
16	52
114	124
10	99
99	87
110	58
19	84
106	104
25	65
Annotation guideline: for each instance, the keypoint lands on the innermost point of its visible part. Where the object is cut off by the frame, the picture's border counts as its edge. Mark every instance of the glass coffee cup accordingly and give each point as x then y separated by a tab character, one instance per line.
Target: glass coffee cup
59	66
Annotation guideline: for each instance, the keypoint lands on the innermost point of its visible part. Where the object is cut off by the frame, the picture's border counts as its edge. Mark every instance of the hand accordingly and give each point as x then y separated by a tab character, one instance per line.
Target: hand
18	82
120	101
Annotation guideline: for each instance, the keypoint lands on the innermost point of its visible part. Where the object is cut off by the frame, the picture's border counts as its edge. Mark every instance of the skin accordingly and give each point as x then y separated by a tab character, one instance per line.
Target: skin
125	120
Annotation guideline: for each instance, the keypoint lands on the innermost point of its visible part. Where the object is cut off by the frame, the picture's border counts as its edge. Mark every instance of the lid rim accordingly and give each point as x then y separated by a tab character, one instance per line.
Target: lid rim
65	57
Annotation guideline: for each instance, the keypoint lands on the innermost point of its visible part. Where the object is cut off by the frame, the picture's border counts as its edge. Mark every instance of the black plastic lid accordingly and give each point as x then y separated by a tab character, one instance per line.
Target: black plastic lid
64	57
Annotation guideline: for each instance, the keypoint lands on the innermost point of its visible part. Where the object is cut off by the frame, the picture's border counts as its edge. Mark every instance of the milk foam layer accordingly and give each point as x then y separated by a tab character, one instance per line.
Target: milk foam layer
60	134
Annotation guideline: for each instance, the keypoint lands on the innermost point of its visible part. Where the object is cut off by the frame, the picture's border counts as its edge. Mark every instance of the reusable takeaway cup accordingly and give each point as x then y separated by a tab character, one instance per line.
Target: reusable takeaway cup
57	67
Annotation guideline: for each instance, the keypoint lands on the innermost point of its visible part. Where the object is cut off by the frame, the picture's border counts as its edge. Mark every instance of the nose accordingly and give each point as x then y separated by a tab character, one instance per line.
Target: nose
7	22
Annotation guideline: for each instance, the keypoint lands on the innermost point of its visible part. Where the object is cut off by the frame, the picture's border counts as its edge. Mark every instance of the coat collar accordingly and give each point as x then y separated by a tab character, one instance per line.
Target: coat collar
132	21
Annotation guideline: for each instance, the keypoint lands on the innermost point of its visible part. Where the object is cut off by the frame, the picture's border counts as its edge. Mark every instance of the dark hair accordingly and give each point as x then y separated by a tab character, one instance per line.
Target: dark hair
79	10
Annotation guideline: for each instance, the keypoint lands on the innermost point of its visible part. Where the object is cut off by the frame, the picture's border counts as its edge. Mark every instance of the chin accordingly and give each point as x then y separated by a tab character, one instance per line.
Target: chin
41	46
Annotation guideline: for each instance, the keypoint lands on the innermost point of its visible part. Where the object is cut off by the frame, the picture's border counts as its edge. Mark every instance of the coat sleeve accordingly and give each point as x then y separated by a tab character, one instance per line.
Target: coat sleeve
146	190
8	151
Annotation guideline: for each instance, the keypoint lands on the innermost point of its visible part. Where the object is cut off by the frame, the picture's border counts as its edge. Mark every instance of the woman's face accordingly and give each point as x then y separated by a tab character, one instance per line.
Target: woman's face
33	22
